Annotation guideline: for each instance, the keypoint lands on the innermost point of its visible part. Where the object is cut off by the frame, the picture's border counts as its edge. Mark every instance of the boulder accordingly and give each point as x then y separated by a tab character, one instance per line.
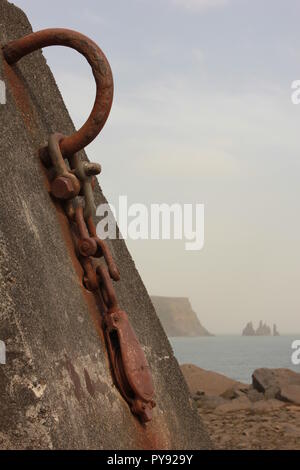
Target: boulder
239	404
231	393
254	395
211	383
266	406
271	381
234	392
210	402
291	394
198	395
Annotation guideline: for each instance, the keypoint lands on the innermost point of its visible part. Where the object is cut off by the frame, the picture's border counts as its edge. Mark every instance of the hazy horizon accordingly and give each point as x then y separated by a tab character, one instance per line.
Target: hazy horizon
202	114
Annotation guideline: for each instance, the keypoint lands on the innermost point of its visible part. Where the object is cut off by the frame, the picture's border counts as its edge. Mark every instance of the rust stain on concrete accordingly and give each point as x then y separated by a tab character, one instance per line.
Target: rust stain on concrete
90	386
74	376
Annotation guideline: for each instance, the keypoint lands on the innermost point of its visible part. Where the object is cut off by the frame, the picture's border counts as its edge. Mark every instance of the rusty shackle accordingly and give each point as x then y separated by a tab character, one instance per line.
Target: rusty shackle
15	50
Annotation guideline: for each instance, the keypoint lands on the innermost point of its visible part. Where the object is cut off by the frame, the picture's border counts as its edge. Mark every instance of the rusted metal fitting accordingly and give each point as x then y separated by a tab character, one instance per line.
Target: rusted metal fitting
87	169
143	409
90	279
87	246
15	50
104	251
85	172
69	209
65	184
107	288
130	366
62	187
131	369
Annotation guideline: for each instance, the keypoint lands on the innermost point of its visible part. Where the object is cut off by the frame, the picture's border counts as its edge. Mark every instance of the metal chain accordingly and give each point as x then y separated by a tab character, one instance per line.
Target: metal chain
69	184
73	183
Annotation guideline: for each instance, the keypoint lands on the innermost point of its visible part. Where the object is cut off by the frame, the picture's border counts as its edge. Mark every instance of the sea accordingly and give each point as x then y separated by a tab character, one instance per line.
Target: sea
236	356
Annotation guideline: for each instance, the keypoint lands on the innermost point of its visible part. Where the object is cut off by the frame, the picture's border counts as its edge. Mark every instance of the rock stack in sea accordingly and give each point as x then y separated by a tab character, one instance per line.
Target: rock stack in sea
249	330
275	331
262	330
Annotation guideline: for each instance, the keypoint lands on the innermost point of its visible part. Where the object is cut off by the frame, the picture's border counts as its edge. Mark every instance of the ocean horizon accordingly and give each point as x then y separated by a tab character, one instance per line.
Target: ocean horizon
236	356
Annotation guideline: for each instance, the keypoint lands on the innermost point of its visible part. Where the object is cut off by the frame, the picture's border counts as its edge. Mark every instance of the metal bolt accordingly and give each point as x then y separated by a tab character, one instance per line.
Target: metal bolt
87	247
62	188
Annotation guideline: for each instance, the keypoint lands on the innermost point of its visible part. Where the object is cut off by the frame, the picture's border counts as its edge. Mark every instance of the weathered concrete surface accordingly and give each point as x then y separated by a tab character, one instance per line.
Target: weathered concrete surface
56	390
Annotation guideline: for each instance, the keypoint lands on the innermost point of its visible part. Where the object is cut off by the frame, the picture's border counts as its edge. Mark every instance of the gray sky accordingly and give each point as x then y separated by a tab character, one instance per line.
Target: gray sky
202	113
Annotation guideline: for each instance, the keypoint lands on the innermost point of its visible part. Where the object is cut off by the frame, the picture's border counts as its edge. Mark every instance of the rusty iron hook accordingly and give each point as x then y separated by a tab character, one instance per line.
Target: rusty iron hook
15	50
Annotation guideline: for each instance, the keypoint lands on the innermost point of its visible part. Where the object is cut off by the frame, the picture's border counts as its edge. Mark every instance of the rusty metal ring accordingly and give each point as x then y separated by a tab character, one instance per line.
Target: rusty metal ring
15	50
